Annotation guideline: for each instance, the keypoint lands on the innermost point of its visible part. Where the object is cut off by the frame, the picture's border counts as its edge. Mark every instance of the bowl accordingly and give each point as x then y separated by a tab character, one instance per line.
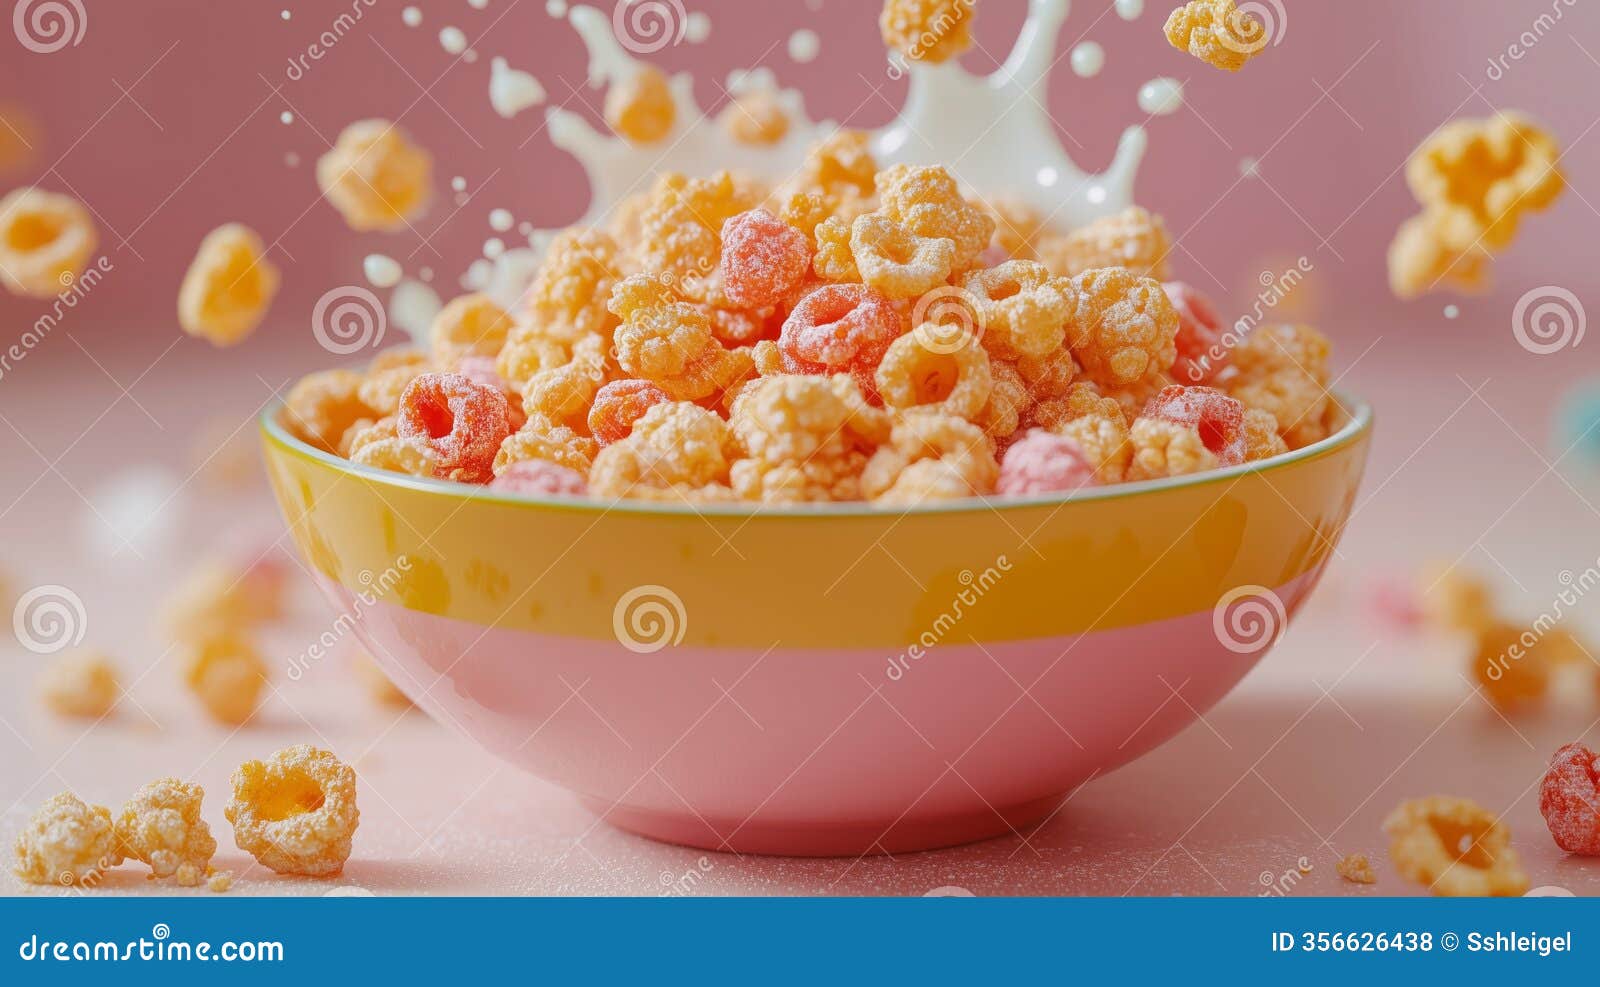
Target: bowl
832	680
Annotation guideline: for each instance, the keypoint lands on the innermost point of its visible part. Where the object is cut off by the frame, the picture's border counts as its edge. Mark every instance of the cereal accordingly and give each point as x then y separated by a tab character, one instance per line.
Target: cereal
161	826
1218	418
540	439
1355	868
563	394
1134	238
927	30
930	456
228	676
669	342
45	241
462	423
1510	667
914	375
66	843
1216	32
220	882
844	328
1042	462
927	202
1455	847
82	682
681	230
229	286
1421	258
1569	801
639	108
381	388
1017	228
393	453
1163	448
763	258
481	371
835	259
1125	327
295	812
1454	599
374	177
471	325
676	451
1482	176
1009	400
1024	309
1104	439
1284	370
1261	438
807	438
896	261
840	167
756	118
540	478
321	406
1199	340
219	597
618	405
567	299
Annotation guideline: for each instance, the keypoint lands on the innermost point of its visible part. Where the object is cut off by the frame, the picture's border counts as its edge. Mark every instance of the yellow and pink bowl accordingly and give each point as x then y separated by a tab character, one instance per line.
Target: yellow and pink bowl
833	680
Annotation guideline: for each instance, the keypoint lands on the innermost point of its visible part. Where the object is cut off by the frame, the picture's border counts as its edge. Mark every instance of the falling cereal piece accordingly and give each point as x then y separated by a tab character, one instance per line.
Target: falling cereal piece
82	683
927	30
229	287
639	107
375	177
1356	869
382	271
1217	32
512	90
45	241
296	811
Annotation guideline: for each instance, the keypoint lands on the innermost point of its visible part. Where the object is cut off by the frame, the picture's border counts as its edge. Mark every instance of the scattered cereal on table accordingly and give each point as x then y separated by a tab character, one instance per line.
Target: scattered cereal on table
220	882
296	811
1454	847
1569	800
227	675
161	826
81	682
1355	868
66	843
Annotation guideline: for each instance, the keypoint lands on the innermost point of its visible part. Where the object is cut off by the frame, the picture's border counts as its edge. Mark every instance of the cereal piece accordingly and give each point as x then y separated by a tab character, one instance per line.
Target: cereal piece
1024	309
563	394
896	261
541	439
840	328
1570	802
734	328
1200	340
639	107
1218	418
295	812
1134	238
540	478
1009	400
161	826
1480	177
669	342
1017	228
957	382
1355	868
1261	438
928	203
218	597
481	371
220	882
840	166
1510	667
1421	258
1164	448
412	457
1455	599
1041	462
1217	32
756	118
676	451
1455	847
229	286
322	406
807	438
45	241
228	676
1125	327
471	325
1284	370
1104	440
81	682
618	405
567	299
374	177
462	423
763	258
927	30
835	259
67	842
681	231
930	455
379	686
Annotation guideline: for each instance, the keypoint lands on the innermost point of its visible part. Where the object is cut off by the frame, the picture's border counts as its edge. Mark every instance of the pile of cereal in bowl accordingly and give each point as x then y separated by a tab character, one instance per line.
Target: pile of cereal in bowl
853	334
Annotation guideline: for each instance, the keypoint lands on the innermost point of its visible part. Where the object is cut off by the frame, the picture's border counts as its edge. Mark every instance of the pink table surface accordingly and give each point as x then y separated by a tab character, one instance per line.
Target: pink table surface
1343	720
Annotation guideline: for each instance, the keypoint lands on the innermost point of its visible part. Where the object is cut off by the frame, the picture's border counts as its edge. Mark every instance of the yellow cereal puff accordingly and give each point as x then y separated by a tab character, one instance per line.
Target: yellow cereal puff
957	381
928	203
1125	328
374	177
1217	32
296	811
1482	176
45	241
1162	449
756	118
927	30
678	450
1453	598
1023	309
639	108
896	261
229	286
215	599
161	826
1421	259
1511	666
1105	443
930	456
80	683
1355	868
1134	238
807	438
228	676
1284	370
471	325
321	406
681	230
1454	847
66	843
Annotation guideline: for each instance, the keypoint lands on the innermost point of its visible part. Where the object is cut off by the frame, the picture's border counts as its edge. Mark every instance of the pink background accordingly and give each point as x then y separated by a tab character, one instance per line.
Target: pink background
165	121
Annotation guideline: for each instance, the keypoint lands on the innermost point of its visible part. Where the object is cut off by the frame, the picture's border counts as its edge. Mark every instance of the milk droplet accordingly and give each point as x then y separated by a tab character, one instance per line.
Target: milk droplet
286	117
493	247
512	90
411	16
1451	311
284	14
1161	96
1088	59
501	220
556	8
412	307
381	271
1129	10
804	45
478	4
453	40
292	159
425	273
697	27
458	183
470	55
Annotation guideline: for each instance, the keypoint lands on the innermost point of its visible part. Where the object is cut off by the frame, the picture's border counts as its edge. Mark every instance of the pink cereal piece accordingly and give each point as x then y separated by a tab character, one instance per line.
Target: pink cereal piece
1570	802
840	328
1218	418
536	476
1043	462
618	405
462	422
763	258
481	371
1201	353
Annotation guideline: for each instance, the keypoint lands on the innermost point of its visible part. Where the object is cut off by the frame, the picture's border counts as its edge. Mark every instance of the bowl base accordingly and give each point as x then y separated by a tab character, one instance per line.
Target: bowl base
821	839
